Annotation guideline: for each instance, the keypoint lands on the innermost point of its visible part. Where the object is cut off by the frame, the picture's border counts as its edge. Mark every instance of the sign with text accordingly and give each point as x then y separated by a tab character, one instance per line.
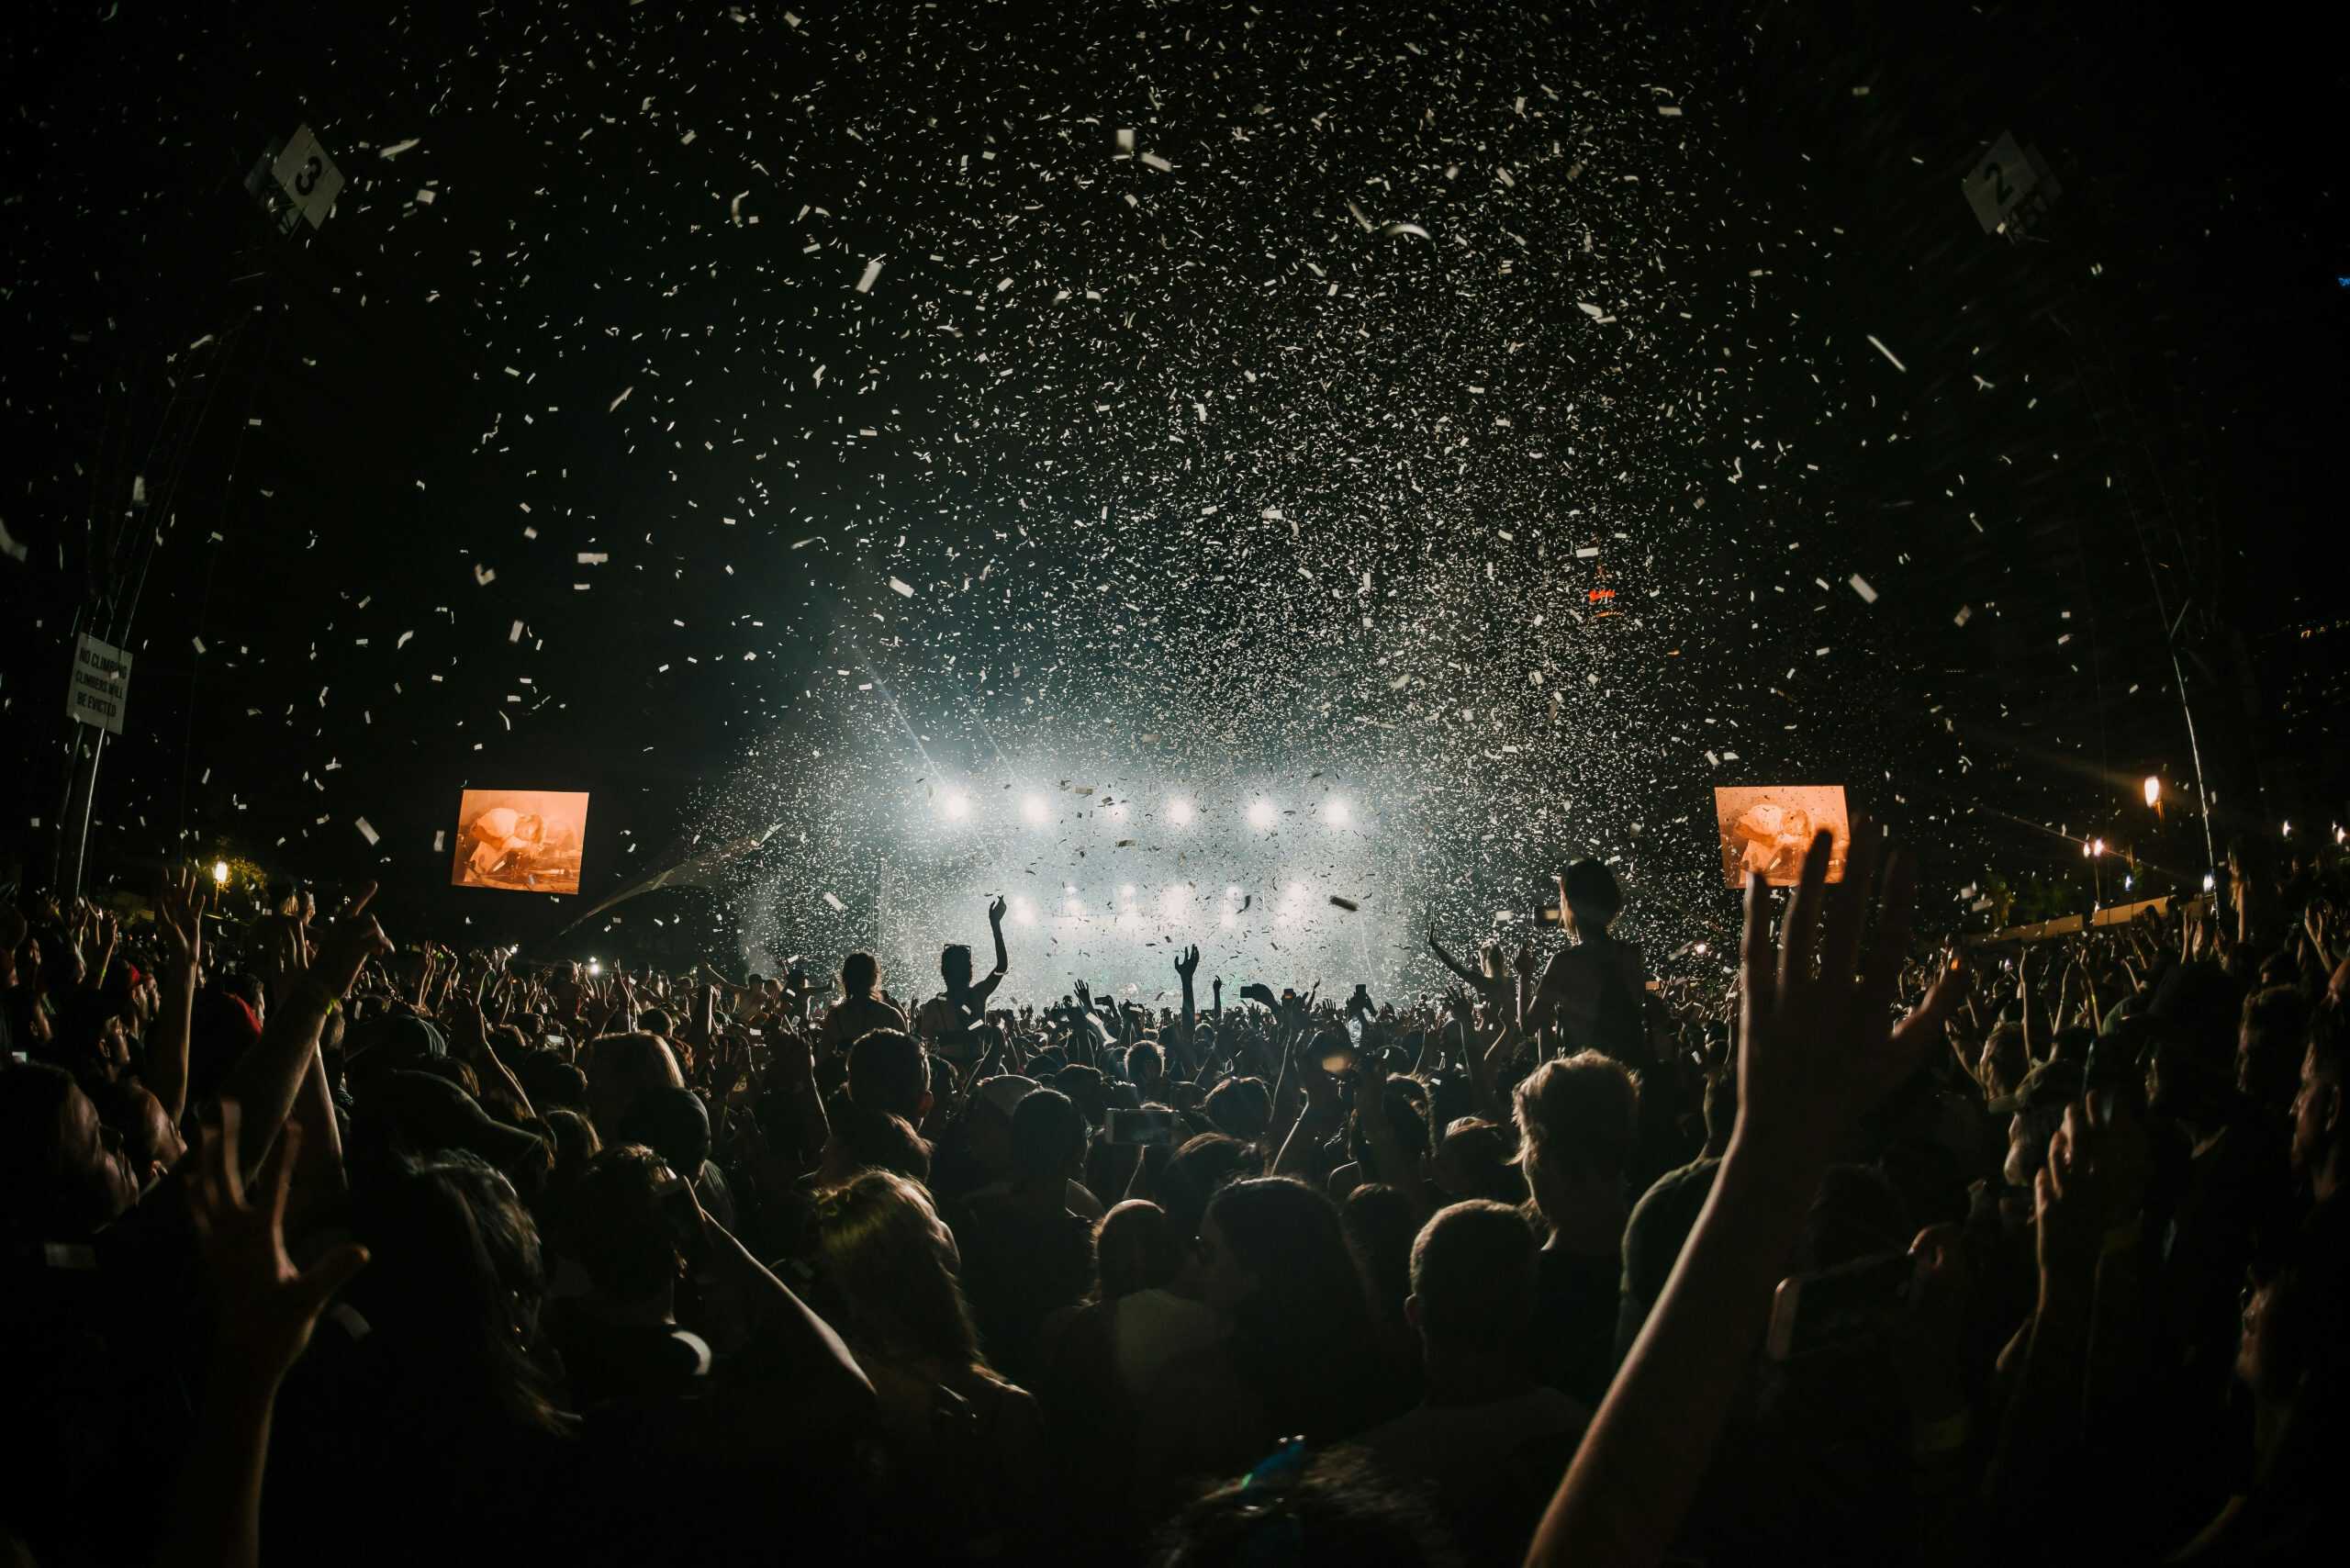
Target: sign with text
101	684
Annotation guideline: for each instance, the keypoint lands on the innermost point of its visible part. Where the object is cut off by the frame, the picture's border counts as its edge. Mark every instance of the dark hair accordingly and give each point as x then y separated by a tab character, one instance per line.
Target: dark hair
881	1254
614	1225
860	975
37	1185
1338	1513
1473	1270
1194	1175
1594	894
1137	1249
1047	1136
889	1070
1241	1106
877	1140
954	955
2270	1041
1146	1060
1581	1112
1403	1113
453	1291
1378	1222
1303	1338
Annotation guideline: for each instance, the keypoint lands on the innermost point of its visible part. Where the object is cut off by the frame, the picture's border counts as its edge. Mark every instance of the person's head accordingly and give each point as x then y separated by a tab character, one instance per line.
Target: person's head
1048	1140
1404	1114
2269	1046
893	1263
2034	1112
1085	1086
151	1143
621	1069
954	966
2321	1117
1594	898
453	1290
1578	1122
1333	1511
674	1123
1194	1176
63	1171
1473	1269
655	1021
1474	1159
1274	1258
616	1226
889	1071
2296	1336
866	1140
1137	1250
1378	1222
860	975
1145	1064
2004	1062
1242	1107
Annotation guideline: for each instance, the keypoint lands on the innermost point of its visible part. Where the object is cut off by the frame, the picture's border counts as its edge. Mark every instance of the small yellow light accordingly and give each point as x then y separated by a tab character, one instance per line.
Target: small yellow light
2154	790
221	873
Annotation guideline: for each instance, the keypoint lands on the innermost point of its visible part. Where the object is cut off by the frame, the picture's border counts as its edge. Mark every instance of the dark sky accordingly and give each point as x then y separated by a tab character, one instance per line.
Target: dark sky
1188	470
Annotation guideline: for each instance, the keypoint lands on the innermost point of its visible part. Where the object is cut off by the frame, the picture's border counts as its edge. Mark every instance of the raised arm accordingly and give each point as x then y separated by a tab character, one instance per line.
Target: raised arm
1815	1054
266	1078
179	925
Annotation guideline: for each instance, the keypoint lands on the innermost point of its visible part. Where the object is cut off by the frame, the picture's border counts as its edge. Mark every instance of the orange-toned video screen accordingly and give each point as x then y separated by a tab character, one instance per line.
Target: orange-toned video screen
1768	828
523	841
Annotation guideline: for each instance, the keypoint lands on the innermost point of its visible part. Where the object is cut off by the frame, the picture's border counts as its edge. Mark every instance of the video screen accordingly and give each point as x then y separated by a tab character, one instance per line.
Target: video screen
520	841
1768	828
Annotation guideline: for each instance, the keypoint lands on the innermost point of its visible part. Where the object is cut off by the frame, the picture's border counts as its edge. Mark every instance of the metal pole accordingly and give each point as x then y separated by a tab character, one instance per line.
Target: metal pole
88	785
2194	750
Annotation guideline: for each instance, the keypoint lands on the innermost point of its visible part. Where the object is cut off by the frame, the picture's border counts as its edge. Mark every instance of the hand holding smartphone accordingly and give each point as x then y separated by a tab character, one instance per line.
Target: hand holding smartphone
1142	1127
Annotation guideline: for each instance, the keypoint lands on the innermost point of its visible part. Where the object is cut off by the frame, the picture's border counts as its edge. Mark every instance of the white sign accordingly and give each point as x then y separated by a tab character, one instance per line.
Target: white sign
101	684
2007	186
307	175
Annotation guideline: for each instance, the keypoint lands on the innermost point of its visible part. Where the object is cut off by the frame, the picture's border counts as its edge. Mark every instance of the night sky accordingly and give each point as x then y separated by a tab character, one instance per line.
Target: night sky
1235	391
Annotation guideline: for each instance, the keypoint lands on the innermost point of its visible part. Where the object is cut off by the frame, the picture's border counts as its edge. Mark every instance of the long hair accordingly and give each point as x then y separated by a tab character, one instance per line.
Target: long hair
454	1290
1306	1330
880	1242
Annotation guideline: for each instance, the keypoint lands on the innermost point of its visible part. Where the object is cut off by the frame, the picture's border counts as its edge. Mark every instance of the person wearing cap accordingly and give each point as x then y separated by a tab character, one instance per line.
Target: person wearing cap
413	1113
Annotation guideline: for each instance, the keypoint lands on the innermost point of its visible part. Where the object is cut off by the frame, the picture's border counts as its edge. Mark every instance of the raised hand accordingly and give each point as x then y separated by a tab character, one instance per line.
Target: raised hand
347	946
179	921
1187	963
996	911
1817	1049
265	1307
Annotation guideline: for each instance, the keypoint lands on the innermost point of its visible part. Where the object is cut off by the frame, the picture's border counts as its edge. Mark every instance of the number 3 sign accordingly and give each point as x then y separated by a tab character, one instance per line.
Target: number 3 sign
306	174
2007	186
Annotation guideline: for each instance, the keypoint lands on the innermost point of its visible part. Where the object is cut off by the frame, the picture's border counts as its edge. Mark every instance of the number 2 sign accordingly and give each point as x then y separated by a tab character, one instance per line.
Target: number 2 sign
2006	185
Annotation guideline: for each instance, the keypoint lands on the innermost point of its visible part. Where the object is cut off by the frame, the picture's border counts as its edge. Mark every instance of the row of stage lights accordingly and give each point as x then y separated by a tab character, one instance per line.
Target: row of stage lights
1177	907
956	806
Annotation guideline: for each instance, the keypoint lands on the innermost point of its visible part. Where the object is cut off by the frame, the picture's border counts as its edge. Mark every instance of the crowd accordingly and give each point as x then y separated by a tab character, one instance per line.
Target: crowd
322	1249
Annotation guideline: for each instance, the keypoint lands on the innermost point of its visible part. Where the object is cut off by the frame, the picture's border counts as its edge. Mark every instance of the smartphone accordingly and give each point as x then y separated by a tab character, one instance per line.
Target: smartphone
1839	1306
1145	1126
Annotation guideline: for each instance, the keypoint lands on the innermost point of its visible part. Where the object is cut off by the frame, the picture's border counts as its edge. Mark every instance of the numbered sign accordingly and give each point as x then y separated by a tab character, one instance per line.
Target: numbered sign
2008	186
308	176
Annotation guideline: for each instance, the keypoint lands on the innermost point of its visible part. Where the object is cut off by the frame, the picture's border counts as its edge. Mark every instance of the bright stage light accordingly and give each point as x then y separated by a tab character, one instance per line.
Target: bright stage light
1126	892
1034	807
1178	811
1023	912
957	805
1262	814
1338	813
219	873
